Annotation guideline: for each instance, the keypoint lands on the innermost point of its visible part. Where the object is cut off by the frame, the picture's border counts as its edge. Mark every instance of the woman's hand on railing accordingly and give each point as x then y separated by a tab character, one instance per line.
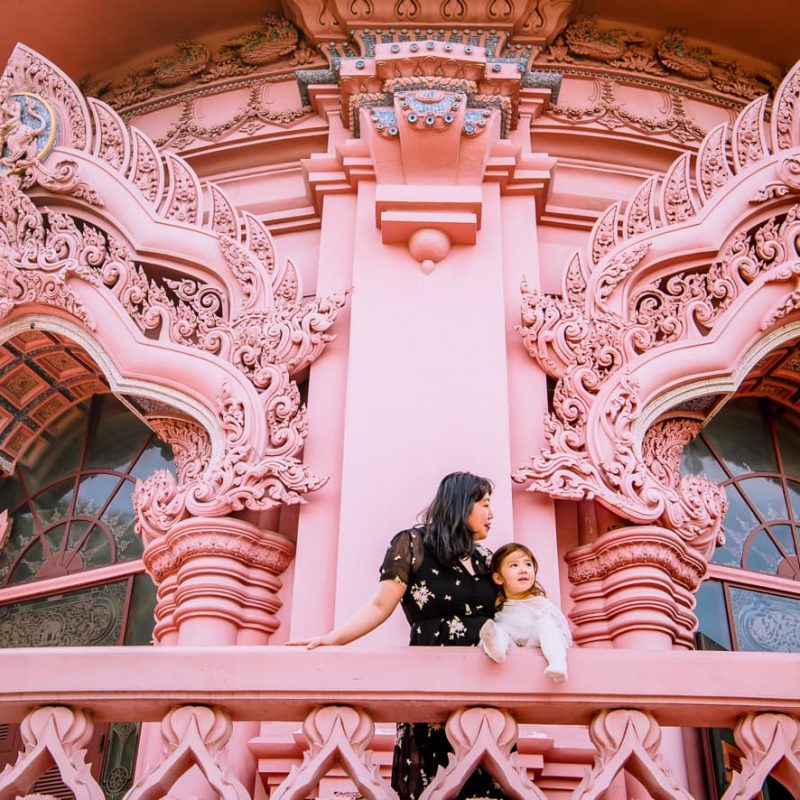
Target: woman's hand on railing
314	641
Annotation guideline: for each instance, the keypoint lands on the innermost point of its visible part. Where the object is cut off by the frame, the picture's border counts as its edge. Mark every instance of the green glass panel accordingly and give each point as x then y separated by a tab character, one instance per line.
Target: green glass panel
697	459
116	437
787	425
119	759
83	618
156	456
30	563
55	538
766	494
22	533
54	503
57	451
739	521
141	617
712	621
794	498
763	555
741	435
77	530
11	494
93	493
783	534
120	518
765	622
96	551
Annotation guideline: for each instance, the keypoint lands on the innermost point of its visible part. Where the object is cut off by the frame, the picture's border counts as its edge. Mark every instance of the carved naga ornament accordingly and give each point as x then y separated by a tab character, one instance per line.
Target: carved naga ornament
223	326
647	315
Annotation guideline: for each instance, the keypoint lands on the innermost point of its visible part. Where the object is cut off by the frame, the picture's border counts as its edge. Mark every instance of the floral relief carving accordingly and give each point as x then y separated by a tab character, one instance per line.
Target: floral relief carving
612	114
749	137
189	442
243	308
628	739
193	63
713	169
336	734
612	559
587	42
253	117
771	746
191	538
33	269
593	338
785	127
57	735
27	71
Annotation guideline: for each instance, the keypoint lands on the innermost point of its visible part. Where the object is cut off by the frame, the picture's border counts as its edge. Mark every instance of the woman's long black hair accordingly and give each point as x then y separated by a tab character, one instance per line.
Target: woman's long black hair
447	535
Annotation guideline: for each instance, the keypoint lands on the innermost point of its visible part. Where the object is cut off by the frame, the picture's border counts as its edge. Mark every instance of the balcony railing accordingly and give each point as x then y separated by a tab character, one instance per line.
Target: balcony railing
339	694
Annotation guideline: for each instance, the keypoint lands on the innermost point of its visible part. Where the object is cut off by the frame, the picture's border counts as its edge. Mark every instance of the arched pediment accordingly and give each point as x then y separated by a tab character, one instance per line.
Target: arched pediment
697	275
166	282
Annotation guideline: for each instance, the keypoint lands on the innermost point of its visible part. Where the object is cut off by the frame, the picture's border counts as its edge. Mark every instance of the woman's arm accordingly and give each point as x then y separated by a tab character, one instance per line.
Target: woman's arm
365	619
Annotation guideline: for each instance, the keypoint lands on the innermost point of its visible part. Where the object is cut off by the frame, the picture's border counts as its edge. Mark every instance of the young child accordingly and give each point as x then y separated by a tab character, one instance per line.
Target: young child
524	615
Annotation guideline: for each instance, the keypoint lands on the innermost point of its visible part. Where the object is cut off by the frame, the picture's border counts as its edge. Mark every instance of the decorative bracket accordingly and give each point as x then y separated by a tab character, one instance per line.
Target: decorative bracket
481	737
628	739
52	735
336	734
194	735
434	117
771	746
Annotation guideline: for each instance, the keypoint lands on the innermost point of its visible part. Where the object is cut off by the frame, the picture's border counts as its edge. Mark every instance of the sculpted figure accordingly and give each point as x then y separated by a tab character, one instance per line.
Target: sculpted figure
15	134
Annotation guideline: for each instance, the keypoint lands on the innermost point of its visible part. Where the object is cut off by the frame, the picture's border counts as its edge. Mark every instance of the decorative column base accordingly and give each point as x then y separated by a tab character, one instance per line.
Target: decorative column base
634	588
218	581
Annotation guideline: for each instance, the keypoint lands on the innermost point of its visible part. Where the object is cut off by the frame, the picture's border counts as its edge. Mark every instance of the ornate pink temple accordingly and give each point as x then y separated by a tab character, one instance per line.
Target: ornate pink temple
263	284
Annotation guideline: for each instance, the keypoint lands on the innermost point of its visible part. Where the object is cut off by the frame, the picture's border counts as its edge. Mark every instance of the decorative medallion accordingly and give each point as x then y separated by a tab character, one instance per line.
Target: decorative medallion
27	129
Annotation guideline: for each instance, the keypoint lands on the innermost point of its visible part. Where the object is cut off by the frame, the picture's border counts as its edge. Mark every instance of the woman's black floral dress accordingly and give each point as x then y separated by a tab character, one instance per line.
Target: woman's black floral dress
444	606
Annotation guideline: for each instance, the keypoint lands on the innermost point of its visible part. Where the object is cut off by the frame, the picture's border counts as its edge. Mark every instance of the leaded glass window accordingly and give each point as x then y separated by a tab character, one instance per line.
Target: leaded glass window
752	448
70	502
751	600
70	515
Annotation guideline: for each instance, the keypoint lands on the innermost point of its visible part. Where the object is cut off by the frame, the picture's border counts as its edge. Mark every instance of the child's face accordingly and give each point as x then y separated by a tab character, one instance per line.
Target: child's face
516	575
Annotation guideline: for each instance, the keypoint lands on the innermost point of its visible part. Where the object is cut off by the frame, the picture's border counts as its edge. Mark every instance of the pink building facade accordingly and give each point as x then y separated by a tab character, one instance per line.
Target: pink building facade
261	289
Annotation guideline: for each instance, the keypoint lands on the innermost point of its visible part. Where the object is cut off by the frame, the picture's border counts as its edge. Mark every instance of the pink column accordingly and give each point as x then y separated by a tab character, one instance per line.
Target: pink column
218	585
426	390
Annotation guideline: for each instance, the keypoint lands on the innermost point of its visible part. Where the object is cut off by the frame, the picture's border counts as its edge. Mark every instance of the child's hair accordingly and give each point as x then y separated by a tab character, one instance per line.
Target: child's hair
500	555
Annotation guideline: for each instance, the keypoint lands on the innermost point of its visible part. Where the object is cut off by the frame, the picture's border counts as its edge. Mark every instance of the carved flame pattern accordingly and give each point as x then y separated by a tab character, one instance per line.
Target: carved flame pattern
611	315
244	310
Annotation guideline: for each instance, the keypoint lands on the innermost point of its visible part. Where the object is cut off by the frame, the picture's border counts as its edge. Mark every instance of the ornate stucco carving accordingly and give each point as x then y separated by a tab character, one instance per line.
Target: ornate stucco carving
336	734
53	735
590	46
482	737
193	736
537	21
228	301
634	322
192	64
771	746
628	739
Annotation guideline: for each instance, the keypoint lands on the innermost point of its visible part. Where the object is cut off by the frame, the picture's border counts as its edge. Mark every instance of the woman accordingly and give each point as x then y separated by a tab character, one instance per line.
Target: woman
441	577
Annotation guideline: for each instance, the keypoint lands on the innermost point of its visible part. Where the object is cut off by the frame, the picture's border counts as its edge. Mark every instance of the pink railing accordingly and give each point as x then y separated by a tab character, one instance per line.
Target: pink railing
340	693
